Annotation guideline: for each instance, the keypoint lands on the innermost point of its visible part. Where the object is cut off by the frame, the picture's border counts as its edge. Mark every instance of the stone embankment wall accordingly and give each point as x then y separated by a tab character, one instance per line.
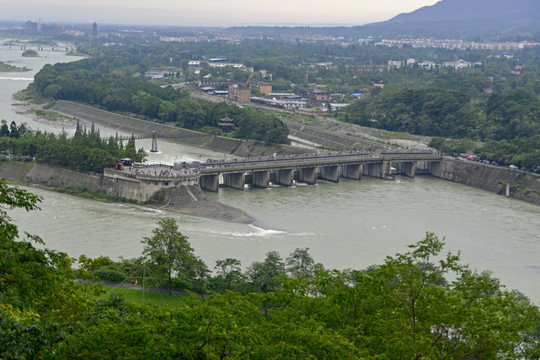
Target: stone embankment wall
54	176
132	125
123	188
59	177
145	188
182	195
522	185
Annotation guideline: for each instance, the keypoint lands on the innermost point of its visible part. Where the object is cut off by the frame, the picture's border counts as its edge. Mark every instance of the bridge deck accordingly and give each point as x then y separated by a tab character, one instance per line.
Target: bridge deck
220	167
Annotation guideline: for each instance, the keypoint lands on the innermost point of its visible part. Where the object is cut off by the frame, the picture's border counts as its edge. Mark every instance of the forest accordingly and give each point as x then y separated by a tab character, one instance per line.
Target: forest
418	304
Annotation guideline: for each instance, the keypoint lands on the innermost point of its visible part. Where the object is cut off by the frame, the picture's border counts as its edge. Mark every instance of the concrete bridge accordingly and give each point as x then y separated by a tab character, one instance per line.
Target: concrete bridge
143	183
284	170
162	135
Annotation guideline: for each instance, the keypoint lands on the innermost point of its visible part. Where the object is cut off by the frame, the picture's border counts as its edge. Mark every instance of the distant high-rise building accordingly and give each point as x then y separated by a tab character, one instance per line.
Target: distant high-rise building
32	27
94	29
51	29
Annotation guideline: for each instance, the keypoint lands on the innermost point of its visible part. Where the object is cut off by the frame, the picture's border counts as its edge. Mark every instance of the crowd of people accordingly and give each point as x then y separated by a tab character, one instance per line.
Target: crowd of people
160	171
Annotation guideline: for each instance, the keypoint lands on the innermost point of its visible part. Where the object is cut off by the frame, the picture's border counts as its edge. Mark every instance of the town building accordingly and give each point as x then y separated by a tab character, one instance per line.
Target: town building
315	96
265	88
239	93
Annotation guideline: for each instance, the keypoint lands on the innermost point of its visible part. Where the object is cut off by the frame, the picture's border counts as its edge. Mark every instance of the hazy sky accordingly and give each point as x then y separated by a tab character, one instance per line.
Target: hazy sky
209	12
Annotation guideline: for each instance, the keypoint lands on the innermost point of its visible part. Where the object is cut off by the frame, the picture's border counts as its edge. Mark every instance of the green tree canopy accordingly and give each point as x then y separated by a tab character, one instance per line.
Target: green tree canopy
170	255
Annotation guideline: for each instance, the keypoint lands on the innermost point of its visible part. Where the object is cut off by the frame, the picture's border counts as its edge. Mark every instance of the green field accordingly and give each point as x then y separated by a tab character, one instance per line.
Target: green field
139	296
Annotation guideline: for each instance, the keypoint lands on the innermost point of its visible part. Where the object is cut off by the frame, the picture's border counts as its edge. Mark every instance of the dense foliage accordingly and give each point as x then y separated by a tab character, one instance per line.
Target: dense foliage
85	151
411	306
509	123
10	68
30	53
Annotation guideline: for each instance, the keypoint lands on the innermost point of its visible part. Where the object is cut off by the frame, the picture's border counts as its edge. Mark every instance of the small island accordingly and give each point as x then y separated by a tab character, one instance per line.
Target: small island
10	68
30	53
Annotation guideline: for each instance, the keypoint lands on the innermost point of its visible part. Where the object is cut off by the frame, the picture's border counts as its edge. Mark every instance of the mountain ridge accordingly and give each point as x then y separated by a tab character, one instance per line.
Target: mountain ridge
469	19
459	18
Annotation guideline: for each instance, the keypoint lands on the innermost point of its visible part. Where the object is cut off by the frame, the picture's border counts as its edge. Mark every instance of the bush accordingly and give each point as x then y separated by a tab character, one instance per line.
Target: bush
110	275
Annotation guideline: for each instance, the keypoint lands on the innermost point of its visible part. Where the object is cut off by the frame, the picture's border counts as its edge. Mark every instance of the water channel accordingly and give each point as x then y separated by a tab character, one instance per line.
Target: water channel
352	224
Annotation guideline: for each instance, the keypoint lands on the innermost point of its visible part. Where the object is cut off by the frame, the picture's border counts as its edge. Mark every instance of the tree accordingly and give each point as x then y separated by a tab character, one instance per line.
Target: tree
300	263
264	276
4	129
14	130
170	254
409	308
229	273
36	298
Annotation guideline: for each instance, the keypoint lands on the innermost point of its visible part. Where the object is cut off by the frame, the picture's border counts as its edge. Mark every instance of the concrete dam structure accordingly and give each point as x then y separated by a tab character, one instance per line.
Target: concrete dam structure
142	184
286	171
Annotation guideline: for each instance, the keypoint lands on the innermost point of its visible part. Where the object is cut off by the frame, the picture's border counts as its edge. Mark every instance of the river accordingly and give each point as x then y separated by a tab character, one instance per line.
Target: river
352	224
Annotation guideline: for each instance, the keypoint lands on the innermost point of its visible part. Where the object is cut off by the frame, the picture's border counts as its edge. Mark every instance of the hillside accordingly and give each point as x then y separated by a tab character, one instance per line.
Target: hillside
509	11
467	18
470	19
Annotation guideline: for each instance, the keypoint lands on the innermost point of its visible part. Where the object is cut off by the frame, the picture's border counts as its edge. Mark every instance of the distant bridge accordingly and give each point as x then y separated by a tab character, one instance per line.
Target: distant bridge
284	170
37	47
160	135
154	136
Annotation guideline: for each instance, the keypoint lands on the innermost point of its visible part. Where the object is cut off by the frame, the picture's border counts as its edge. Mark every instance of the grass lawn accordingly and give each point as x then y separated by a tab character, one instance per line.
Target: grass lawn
139	296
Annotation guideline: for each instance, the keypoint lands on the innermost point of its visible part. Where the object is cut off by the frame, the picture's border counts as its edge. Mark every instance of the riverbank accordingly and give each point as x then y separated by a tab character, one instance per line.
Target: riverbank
51	178
131	125
512	183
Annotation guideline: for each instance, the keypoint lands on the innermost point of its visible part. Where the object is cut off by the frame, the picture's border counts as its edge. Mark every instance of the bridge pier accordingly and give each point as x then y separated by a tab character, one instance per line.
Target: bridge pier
284	177
387	170
434	168
408	169
209	182
234	180
372	169
307	175
352	171
329	173
381	170
260	178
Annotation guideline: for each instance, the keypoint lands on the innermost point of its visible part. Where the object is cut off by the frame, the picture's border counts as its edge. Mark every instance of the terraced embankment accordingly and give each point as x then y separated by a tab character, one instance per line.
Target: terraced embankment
329	139
188	137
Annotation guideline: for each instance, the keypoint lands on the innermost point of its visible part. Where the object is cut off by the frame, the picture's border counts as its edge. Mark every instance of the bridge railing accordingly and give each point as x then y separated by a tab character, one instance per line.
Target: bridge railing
146	177
160	135
227	167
